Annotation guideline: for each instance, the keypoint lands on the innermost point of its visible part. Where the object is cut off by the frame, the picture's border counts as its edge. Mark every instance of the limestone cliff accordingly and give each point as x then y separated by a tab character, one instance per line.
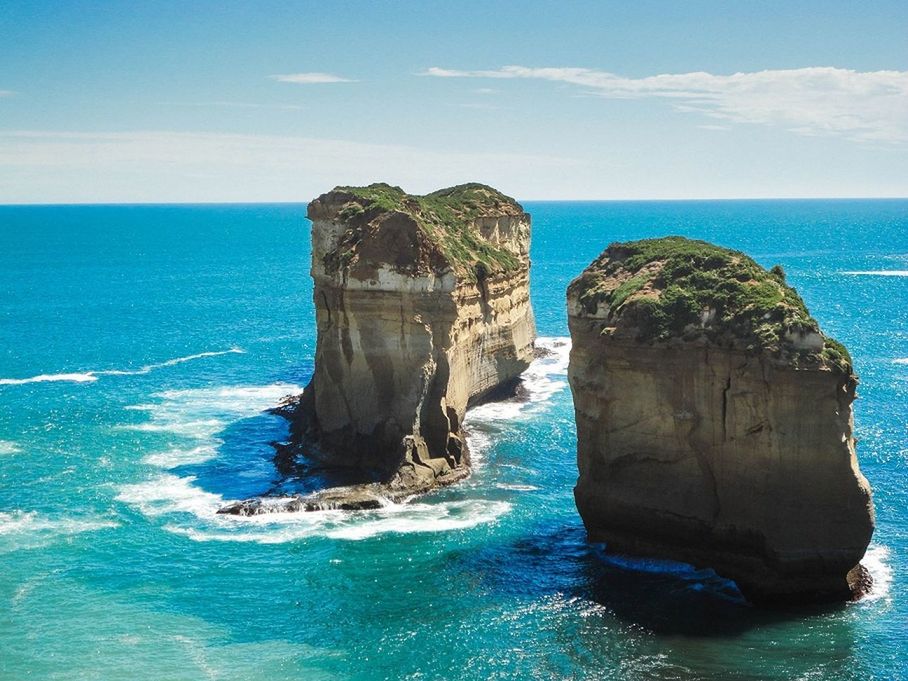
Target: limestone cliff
714	421
422	306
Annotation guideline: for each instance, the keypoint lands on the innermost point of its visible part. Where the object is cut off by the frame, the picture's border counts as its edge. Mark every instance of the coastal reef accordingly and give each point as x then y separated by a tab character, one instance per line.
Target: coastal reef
423	309
714	421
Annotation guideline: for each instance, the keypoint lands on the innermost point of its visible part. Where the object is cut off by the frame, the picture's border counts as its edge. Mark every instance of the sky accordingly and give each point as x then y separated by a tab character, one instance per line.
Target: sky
192	101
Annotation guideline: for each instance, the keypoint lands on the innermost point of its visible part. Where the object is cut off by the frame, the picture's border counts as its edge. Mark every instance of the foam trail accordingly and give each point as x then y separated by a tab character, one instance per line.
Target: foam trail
879	273
148	368
90	376
876	562
514	487
7	447
86	377
901	360
28	529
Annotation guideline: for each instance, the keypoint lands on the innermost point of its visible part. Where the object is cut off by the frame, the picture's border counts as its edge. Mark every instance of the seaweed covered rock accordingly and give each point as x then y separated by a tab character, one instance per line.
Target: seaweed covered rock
714	421
422	306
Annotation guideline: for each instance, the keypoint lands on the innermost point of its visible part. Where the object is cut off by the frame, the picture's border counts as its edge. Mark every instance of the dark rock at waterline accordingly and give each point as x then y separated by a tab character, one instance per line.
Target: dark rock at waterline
339	499
362	497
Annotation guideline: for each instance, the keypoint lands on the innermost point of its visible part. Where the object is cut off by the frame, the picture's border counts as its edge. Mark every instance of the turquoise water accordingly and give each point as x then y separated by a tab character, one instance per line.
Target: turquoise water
139	346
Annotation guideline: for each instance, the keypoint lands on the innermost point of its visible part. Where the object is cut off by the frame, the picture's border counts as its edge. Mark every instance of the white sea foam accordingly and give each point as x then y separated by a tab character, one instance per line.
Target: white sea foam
876	560
181	457
900	360
196	415
879	273
276	528
478	442
7	447
167	493
148	368
90	376
270	532
422	517
544	378
195	429
29	529
86	377
201	413
516	488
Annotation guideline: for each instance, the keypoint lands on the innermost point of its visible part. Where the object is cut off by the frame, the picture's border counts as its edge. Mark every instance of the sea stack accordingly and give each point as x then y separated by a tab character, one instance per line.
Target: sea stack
714	421
423	309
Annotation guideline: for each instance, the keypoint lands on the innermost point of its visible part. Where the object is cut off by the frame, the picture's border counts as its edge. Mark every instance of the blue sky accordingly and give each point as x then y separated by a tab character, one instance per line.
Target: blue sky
220	101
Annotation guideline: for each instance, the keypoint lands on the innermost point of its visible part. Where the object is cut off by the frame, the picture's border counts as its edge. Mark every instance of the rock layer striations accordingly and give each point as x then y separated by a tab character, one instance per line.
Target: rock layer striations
422	306
714	421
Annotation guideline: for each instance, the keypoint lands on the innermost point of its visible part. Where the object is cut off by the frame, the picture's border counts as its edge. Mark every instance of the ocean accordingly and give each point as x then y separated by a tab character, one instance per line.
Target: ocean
139	349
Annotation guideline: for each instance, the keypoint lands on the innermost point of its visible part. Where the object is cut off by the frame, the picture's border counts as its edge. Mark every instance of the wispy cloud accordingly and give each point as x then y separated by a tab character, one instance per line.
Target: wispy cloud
228	104
310	78
861	105
6	93
54	166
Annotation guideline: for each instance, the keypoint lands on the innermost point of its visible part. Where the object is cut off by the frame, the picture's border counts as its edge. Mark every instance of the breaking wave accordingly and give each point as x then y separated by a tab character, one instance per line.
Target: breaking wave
876	560
90	376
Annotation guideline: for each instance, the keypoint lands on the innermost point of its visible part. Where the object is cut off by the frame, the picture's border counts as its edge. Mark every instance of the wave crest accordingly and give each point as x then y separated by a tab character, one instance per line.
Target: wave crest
91	376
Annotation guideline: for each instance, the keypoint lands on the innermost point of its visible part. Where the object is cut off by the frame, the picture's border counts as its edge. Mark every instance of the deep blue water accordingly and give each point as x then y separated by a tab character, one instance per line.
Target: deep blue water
173	327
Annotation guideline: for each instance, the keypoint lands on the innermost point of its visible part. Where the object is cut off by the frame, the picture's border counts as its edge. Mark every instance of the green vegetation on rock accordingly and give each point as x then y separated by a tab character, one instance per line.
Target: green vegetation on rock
680	288
445	216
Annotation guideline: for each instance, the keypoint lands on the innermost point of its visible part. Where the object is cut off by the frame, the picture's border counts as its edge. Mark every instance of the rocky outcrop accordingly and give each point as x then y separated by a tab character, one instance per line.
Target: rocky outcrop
422	306
714	421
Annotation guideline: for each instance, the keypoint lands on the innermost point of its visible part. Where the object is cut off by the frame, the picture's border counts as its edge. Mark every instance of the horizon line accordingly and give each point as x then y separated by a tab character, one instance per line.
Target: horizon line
49	204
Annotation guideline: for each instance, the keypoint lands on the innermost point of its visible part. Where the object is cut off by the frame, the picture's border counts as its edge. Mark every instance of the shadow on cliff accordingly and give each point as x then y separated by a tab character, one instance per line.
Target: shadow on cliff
662	597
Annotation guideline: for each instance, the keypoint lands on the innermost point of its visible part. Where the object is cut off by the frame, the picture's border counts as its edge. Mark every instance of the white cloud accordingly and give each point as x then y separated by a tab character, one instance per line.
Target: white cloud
309	78
861	105
50	166
6	93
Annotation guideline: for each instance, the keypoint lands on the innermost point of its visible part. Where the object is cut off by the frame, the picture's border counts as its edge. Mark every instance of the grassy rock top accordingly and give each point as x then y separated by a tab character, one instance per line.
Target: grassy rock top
447	218
658	290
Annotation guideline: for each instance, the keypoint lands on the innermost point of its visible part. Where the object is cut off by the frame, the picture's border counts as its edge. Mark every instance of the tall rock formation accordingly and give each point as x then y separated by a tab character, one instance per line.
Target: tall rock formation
714	421
422	306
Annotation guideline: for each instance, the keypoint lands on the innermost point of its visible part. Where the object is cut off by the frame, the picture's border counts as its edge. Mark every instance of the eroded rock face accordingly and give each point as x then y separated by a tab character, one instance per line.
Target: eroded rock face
714	421
422	306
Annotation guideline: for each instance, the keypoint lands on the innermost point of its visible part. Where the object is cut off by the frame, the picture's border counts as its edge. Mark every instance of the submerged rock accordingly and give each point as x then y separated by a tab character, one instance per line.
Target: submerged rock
714	421
422	306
